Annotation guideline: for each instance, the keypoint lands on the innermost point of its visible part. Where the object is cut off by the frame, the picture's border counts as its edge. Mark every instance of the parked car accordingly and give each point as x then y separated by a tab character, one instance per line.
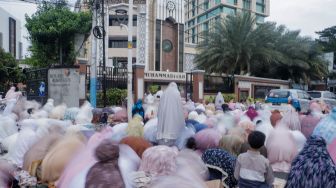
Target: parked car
327	97
297	98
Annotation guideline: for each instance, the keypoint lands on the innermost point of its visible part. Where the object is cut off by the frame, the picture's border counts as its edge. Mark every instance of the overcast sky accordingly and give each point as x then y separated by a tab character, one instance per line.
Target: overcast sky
307	15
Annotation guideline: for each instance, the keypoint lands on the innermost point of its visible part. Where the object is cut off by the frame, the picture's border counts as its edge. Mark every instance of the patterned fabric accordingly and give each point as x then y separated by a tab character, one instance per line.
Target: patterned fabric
25	179
223	160
313	167
138	109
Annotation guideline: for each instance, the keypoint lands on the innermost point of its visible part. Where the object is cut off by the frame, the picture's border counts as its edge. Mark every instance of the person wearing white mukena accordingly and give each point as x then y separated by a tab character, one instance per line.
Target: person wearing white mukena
171	120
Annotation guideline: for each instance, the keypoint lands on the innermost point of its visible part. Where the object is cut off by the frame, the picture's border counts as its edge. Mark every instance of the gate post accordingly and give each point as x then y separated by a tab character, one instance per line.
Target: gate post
198	85
139	83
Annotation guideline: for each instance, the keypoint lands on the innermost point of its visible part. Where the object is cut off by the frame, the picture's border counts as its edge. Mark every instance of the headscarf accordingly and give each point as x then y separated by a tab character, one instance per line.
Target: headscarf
85	114
326	127
275	117
159	160
313	167
77	169
135	127
232	144
128	163
207	138
58	157
138	109
300	139
191	172
332	150
219	99
40	149
7	127
105	173
291	119
281	149
26	139
170	114
138	144
10	93
223	160
308	124
251	113
150	130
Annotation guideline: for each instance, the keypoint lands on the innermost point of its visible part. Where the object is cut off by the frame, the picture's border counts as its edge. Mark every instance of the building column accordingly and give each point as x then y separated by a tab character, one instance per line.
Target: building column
198	86
139	83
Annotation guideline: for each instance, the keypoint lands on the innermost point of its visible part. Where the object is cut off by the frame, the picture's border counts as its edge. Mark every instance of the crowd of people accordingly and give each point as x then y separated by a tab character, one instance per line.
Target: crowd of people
168	143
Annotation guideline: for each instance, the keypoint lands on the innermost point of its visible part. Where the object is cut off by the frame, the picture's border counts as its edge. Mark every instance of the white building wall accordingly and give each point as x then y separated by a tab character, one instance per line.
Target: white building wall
177	14
4	30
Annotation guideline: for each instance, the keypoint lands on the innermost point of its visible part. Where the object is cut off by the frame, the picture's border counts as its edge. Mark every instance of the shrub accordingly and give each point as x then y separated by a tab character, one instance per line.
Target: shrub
114	96
153	89
228	97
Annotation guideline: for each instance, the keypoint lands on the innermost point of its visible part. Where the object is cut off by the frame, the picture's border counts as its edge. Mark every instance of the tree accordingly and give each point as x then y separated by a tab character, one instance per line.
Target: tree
9	70
239	45
328	39
233	44
52	31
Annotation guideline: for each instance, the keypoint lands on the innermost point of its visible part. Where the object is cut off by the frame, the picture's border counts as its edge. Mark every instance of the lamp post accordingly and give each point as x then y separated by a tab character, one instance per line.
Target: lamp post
129	62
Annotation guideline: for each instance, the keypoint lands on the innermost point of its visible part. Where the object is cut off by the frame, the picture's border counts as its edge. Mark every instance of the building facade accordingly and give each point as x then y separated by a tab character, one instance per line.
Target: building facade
201	14
10	34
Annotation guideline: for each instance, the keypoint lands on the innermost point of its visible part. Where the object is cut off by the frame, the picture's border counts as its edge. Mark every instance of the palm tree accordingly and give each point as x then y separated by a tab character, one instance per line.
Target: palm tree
234	44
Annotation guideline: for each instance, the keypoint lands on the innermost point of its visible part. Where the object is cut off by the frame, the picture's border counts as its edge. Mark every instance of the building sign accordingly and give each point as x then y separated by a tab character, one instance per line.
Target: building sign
63	86
165	76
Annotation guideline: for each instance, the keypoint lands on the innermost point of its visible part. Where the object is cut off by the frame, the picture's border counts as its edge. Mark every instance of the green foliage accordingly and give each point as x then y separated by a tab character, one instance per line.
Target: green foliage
229	97
237	46
328	39
114	96
153	89
209	98
52	30
9	70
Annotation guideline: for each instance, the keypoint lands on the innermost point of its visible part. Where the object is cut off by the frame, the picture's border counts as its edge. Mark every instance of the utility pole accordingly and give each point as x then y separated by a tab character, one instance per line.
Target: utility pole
129	62
93	65
104	60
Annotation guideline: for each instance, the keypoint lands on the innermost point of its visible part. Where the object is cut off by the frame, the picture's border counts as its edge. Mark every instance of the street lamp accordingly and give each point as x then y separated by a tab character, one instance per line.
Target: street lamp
129	29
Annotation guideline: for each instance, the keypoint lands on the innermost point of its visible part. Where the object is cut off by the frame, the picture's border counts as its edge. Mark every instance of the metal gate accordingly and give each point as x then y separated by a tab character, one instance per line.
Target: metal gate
37	84
189	85
116	76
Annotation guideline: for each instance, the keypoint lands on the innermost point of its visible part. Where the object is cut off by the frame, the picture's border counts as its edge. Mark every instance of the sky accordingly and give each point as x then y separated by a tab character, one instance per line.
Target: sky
308	16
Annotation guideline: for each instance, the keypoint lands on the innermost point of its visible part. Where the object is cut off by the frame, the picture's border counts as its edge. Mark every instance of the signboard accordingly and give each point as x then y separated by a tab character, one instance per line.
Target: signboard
63	86
165	76
42	89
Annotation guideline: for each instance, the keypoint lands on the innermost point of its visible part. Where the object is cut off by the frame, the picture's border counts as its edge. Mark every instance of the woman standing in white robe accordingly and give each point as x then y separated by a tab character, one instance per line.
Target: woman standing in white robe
170	116
219	101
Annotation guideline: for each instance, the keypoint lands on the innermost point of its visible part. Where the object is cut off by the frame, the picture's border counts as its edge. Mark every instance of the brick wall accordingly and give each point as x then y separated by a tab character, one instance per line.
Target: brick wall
169	60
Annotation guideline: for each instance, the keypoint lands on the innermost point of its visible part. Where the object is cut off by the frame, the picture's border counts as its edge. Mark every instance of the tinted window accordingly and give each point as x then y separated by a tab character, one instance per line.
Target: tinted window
315	94
278	94
300	95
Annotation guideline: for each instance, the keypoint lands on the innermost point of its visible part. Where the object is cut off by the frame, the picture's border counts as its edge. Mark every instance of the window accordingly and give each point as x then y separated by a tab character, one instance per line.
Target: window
115	20
193	12
202	18
191	23
315	94
260	19
278	94
120	43
206	5
205	26
260	1
260	6
247	4
215	12
193	35
229	11
232	2
12	36
20	50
